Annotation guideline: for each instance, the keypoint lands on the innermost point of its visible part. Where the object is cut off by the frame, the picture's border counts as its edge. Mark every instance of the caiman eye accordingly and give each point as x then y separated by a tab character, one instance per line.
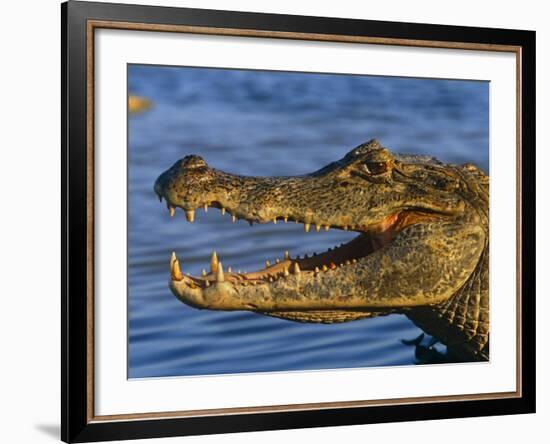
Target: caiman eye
376	168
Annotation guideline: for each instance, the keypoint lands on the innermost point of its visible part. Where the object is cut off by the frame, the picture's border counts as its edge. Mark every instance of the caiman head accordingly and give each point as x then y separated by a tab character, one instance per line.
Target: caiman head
421	230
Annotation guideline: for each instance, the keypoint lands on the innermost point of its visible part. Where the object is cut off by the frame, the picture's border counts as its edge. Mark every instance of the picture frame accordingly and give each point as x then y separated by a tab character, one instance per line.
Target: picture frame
80	22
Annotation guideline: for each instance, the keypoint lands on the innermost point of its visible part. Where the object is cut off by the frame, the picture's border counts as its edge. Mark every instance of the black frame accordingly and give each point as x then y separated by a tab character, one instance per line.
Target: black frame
75	426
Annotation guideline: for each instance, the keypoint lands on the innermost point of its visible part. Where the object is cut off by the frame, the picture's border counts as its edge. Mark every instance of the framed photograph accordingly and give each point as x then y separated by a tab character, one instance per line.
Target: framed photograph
275	221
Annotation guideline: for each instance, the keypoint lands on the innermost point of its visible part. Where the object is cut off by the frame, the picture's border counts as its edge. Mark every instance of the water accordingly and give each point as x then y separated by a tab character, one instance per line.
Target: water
262	123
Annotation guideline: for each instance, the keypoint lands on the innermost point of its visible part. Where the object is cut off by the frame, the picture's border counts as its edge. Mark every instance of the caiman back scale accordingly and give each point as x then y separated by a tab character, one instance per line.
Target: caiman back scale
422	248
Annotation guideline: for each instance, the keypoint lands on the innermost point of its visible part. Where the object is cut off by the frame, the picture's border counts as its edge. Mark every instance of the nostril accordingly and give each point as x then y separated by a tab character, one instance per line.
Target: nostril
192	161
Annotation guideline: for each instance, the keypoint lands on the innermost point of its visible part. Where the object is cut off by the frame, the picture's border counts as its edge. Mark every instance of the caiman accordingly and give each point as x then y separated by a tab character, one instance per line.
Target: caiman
422	248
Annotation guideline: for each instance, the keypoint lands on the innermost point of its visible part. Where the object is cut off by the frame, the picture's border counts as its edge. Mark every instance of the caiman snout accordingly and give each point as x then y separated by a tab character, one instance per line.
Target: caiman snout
182	183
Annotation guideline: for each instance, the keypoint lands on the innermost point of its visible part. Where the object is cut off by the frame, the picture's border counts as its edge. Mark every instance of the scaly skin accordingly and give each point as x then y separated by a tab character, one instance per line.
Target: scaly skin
423	247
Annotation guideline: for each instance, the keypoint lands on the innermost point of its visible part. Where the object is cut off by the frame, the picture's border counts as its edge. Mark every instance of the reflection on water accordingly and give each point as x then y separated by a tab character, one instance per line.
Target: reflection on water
261	123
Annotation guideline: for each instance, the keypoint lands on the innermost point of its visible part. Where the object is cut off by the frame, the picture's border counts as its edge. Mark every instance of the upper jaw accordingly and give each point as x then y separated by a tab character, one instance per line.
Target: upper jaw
245	208
240	210
265	200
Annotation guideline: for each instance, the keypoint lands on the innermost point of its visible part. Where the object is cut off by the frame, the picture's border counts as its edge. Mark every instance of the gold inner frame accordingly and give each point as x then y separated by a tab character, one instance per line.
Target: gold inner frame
92	25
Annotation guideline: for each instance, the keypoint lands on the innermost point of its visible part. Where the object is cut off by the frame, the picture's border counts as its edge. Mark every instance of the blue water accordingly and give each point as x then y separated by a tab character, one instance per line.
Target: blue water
268	123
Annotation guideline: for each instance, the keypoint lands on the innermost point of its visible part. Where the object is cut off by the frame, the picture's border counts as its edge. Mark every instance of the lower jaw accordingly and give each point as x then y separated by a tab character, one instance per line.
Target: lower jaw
346	254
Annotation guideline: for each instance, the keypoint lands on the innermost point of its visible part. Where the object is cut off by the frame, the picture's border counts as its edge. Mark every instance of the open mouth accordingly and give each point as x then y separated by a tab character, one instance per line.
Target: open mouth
370	239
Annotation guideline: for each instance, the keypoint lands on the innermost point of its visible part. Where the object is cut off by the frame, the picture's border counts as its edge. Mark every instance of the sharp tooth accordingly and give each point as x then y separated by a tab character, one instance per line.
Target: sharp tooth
229	270
275	220
325	268
316	269
285	272
219	274
354	261
326	227
267	264
172	211
239	271
175	271
317	228
287	257
341	264
348	262
190	215
345	228
285	219
270	279
203	273
223	211
296	268
206	208
173	258
214	262
277	261
207	283
307	227
233	218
